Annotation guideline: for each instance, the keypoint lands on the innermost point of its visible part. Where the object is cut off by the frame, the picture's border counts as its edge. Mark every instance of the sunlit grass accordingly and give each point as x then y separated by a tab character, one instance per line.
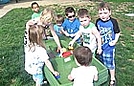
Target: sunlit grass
12	27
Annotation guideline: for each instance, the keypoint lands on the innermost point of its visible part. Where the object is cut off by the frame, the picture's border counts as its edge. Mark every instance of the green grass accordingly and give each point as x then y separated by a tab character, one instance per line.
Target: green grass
12	27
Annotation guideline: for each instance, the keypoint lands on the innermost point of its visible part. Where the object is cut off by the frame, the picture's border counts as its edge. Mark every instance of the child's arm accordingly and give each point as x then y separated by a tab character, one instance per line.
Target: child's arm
113	42
72	74
96	74
78	34
116	31
64	32
97	35
55	37
49	65
95	77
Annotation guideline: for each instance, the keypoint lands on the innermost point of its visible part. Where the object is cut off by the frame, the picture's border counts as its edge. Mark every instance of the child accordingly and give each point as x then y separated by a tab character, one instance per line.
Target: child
84	75
36	55
109	31
36	9
71	23
58	26
88	31
46	21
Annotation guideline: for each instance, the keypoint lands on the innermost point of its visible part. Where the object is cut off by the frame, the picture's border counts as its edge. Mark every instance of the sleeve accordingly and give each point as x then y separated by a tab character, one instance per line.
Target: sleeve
78	24
32	17
95	70
115	24
54	27
43	54
73	73
81	28
64	24
96	24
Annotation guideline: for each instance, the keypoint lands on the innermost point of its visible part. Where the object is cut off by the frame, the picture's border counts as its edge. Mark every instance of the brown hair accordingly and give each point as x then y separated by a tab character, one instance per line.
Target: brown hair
69	10
83	55
34	4
103	5
59	19
35	36
82	13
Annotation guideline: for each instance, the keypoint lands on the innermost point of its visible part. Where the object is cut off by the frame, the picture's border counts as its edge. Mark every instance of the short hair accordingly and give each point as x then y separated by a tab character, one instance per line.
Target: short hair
83	12
69	10
83	55
59	19
34	4
103	5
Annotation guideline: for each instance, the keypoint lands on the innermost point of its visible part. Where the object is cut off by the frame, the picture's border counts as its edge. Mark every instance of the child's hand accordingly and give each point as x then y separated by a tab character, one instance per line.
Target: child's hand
67	34
58	49
112	43
71	43
70	77
99	51
55	73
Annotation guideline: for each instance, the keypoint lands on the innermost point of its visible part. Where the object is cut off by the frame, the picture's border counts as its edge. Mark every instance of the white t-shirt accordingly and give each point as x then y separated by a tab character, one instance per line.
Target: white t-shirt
88	37
34	61
83	76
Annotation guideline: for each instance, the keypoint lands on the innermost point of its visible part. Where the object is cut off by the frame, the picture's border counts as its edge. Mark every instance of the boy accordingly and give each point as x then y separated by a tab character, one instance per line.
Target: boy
88	31
84	75
58	26
71	23
109	31
36	9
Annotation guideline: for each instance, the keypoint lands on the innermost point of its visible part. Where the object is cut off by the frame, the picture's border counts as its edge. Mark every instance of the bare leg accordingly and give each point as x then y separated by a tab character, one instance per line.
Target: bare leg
112	75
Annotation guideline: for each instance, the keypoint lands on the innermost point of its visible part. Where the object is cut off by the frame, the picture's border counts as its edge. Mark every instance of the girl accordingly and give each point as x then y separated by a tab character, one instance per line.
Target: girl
36	55
44	20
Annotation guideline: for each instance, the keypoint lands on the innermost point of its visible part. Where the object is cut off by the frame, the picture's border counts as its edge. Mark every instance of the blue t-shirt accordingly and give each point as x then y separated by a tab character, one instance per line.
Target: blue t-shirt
57	29
107	30
71	27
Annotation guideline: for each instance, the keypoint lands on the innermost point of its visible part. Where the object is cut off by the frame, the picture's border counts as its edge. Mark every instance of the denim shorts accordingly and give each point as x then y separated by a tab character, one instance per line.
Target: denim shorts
38	78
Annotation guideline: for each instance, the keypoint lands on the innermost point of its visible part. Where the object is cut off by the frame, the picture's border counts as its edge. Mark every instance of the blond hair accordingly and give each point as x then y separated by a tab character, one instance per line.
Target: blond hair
47	16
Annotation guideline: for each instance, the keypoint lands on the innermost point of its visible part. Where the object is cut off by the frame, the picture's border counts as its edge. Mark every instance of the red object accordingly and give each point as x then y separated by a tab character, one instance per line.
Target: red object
66	54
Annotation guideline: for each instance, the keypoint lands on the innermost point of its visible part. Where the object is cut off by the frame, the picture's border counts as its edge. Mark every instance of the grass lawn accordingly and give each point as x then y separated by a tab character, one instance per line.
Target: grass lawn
12	27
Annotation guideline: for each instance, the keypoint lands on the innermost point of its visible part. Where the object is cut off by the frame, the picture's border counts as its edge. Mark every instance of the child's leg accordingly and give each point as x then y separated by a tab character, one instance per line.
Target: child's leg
38	78
109	62
112	73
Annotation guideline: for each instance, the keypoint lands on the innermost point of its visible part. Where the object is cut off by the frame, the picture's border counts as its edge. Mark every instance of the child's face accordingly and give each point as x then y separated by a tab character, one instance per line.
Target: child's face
35	8
104	14
71	16
84	21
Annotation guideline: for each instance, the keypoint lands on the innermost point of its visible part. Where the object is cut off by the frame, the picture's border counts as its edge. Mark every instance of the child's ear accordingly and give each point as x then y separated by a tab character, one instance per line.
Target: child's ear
89	17
110	12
